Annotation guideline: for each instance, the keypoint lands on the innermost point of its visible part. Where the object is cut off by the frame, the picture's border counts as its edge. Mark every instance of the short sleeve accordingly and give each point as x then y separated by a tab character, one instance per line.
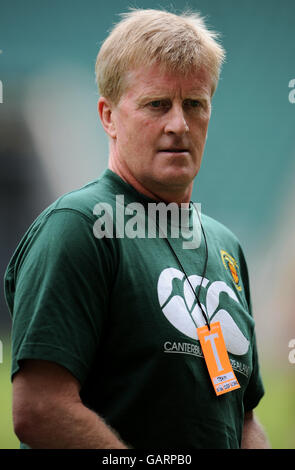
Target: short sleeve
58	294
255	388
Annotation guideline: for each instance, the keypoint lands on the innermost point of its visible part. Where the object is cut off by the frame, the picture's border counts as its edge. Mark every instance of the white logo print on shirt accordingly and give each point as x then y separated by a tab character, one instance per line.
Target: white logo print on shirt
179	310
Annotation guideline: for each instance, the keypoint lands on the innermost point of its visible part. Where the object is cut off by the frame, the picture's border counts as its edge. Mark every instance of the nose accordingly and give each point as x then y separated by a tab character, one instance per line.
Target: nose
176	122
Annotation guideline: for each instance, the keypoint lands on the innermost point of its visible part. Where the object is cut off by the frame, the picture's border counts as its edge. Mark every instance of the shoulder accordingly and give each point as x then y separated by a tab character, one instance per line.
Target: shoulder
73	211
224	242
218	231
226	246
65	226
84	199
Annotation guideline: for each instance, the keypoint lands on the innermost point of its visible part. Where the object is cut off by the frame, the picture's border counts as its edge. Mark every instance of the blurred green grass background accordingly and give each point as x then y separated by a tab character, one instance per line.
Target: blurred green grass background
8	439
276	411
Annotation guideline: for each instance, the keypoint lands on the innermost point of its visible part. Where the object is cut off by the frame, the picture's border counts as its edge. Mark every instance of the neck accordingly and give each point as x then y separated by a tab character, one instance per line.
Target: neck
180	196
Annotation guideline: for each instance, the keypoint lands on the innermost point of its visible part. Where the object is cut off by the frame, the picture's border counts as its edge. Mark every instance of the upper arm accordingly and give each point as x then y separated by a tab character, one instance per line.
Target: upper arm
60	295
254	436
38	388
248	415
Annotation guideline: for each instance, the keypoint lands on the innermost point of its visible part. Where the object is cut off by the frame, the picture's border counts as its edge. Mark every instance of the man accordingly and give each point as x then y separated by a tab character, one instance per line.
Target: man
106	352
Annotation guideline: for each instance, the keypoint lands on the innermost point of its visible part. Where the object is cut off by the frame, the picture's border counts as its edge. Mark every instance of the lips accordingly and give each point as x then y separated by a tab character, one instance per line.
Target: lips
174	150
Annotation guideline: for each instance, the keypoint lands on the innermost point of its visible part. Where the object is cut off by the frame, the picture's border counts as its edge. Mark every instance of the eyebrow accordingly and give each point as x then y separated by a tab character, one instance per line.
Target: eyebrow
157	95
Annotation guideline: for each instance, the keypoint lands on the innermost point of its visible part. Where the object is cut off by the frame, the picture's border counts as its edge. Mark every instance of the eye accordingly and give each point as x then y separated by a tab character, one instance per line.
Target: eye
159	104
192	103
155	104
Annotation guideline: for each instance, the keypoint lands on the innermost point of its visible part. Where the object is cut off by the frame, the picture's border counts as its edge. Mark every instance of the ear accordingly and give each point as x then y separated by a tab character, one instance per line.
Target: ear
105	111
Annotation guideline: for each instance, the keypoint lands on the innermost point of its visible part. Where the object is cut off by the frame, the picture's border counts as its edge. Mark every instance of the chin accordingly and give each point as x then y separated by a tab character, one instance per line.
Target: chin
177	176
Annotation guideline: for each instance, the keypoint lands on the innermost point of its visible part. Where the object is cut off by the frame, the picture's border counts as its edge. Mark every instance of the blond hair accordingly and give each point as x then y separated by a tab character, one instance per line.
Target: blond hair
180	43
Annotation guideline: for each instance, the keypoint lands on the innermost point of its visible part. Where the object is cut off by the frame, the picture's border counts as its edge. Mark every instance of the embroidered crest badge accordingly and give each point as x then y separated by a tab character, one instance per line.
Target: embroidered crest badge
230	263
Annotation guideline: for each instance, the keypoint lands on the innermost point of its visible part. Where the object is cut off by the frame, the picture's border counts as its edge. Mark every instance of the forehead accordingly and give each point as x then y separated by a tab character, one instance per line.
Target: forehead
155	80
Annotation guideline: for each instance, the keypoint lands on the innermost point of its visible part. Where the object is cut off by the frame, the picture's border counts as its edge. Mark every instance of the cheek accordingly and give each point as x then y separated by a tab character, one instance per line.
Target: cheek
147	134
201	128
125	132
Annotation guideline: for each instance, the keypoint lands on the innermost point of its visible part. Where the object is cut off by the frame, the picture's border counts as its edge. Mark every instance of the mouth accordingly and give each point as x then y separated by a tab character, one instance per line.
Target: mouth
174	150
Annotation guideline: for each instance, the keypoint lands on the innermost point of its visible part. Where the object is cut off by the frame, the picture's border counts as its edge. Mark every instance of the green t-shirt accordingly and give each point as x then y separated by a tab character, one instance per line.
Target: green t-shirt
120	314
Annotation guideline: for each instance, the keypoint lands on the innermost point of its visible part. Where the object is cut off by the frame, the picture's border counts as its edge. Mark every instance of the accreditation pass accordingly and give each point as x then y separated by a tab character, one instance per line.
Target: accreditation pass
217	361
